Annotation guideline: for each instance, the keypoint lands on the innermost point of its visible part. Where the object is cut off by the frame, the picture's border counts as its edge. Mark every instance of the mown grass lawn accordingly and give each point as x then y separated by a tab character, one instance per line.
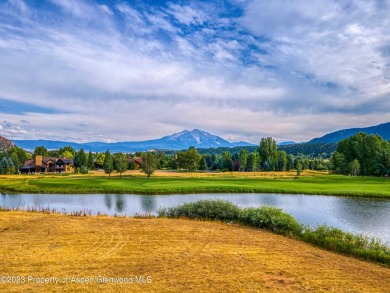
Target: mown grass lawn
195	183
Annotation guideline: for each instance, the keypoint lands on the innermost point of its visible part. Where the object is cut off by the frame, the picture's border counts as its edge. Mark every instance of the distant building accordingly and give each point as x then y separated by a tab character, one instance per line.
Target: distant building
137	162
47	165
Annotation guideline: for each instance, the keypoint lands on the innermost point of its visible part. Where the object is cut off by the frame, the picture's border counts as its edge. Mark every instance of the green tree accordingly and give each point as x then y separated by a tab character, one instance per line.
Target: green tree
382	164
215	163
354	167
227	161
67	152
108	164
243	159
253	162
53	153
90	161
281	162
7	166
268	153
80	160
21	154
3	165
120	163
16	161
203	164
188	160
364	148
149	163
305	164
172	163
290	162
163	160
339	163
40	151
100	159
299	168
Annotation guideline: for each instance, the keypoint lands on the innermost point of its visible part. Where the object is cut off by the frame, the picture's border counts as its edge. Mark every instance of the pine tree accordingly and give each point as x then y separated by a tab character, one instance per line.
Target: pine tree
90	160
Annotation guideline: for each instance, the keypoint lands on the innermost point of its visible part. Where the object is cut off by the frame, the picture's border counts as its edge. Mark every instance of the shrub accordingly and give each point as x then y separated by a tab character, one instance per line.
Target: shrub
358	245
203	209
270	218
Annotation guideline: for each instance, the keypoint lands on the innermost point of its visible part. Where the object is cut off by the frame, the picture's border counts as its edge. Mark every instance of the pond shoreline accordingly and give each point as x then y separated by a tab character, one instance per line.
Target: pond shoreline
358	215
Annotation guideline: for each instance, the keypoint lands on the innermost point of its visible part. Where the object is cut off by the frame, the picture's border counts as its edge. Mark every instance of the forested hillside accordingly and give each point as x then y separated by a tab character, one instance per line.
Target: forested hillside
382	130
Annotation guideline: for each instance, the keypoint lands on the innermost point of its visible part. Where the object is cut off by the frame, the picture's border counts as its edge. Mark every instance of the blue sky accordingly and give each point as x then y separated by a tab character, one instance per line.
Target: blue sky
84	70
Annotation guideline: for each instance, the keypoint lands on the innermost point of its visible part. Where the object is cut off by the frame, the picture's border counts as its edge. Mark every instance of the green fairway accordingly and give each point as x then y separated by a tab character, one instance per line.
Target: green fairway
326	184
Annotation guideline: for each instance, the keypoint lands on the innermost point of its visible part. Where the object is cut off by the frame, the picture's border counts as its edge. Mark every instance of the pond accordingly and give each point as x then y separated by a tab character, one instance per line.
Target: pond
358	215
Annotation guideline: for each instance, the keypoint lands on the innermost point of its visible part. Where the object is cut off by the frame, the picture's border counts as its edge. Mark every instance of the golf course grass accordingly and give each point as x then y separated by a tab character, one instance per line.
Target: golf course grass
181	183
168	255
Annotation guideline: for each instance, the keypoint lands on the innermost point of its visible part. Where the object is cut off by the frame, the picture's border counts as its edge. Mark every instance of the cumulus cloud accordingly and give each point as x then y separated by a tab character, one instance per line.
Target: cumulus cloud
330	43
127	71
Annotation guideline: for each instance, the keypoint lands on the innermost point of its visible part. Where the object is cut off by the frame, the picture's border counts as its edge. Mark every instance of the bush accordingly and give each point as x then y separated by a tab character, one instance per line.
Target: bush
272	219
203	209
358	245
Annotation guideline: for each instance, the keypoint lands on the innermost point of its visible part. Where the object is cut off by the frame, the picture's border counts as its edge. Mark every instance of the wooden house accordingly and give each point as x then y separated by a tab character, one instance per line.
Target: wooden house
47	165
137	162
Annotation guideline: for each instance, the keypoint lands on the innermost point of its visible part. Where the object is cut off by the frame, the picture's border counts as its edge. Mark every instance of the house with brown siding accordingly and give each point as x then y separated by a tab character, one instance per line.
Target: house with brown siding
47	165
137	161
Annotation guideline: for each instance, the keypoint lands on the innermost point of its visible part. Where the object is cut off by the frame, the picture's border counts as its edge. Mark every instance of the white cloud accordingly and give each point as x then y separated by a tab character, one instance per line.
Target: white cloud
20	5
187	15
273	72
106	9
335	42
76	7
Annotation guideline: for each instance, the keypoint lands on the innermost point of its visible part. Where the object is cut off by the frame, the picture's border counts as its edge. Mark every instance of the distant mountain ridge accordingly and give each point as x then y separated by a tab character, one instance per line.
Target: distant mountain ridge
382	129
286	143
176	141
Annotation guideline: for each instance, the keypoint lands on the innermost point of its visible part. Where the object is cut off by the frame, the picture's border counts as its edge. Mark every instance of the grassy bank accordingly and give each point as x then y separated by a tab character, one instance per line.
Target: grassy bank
279	222
178	255
179	183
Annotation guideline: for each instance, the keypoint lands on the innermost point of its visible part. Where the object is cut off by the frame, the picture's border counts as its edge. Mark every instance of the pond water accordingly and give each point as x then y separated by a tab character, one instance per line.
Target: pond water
358	215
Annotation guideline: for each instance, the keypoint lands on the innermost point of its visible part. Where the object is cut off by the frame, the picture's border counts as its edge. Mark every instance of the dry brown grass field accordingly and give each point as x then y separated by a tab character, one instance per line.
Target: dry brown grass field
177	255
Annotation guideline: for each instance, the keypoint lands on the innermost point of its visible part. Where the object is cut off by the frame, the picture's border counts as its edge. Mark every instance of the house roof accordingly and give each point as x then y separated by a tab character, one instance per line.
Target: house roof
136	159
31	163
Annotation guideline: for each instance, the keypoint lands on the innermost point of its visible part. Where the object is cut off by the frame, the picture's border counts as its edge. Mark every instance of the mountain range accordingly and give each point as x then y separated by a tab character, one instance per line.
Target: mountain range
177	141
382	129
197	138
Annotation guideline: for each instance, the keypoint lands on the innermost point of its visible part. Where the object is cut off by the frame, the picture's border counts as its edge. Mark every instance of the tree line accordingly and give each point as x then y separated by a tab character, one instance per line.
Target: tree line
361	154
266	157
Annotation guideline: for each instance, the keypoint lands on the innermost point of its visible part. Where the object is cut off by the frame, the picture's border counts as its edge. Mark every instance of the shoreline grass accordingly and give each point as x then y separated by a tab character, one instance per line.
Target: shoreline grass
178	183
279	222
